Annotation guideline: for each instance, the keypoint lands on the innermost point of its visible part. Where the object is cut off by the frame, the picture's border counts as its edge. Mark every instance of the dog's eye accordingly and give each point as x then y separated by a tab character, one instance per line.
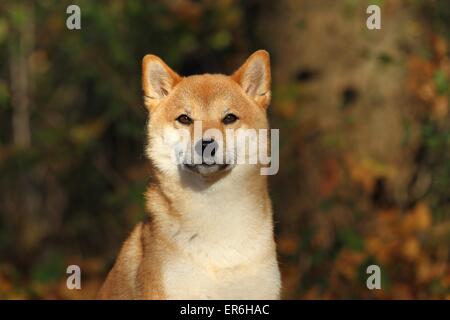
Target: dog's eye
184	119
229	118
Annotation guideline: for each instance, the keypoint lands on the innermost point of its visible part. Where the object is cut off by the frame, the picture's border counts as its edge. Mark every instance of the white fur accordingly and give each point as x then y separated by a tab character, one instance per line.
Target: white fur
225	245
224	237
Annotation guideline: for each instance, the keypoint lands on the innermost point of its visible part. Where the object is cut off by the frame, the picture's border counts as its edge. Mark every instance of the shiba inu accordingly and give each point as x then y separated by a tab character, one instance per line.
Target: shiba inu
209	232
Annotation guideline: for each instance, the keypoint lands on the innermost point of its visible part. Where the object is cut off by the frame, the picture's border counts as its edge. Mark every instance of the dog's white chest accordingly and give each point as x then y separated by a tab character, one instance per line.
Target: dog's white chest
224	247
184	279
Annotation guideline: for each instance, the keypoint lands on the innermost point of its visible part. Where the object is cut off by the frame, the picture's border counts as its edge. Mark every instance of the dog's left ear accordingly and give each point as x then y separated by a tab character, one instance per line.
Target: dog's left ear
254	77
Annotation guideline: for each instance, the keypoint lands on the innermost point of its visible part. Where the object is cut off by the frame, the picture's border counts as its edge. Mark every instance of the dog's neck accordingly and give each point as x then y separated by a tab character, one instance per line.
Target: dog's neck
230	212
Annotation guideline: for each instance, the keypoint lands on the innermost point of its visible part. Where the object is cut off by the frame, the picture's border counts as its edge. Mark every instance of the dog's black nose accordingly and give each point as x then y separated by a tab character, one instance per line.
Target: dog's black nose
206	147
212	148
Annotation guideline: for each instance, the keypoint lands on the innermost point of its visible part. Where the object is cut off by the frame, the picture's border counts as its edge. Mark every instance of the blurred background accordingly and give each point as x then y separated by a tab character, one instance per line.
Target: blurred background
364	130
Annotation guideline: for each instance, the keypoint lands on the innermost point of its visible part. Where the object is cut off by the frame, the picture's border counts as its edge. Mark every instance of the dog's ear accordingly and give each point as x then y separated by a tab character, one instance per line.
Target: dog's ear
158	80
254	77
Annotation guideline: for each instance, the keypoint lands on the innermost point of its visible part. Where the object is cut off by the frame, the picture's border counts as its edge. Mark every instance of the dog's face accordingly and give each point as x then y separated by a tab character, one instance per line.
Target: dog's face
195	121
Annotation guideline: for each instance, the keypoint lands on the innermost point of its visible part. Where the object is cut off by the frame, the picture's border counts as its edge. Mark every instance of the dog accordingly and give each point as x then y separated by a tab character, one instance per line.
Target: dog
209	232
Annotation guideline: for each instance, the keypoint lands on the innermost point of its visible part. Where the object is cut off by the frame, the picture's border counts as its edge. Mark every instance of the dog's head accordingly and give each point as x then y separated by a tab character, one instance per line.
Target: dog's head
195	121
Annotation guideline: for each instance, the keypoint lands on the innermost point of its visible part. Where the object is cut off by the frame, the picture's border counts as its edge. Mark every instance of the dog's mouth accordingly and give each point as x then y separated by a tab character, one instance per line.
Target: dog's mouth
205	169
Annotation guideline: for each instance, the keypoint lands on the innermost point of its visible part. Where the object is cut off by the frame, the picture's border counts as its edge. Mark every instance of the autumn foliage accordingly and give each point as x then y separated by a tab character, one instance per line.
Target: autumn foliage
364	125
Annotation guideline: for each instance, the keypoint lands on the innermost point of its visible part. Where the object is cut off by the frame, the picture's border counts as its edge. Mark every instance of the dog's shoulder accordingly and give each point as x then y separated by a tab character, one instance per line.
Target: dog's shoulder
121	280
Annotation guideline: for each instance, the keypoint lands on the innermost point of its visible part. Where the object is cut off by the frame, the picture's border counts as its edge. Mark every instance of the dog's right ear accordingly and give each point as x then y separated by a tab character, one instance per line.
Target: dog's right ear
158	80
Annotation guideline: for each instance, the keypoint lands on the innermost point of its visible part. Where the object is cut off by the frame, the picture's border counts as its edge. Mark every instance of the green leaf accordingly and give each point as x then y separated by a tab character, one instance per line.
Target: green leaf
350	239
